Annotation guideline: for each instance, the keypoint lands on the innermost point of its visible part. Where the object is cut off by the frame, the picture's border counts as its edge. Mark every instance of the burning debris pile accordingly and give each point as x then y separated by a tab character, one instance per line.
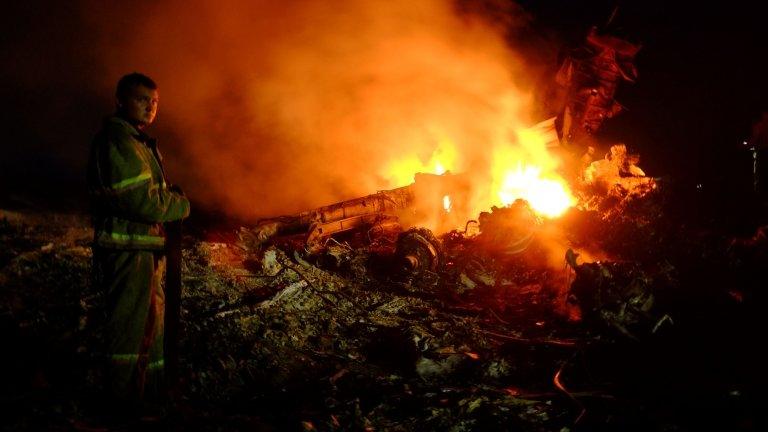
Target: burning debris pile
618	174
406	309
408	330
380	327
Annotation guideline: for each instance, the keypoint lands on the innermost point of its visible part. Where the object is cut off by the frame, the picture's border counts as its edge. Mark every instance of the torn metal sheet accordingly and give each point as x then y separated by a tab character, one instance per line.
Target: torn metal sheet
591	75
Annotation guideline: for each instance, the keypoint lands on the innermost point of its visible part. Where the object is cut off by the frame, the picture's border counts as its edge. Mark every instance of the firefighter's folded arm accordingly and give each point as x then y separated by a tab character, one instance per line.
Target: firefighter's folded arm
151	204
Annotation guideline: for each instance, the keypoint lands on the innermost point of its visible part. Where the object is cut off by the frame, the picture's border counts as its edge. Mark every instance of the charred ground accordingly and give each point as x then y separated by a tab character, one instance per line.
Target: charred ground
663	336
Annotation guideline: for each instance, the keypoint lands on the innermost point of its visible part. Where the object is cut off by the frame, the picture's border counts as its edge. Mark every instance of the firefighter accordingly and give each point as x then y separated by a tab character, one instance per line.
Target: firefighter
130	201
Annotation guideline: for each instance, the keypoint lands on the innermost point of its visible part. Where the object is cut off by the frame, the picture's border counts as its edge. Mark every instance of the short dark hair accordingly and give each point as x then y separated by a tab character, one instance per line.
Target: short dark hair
128	82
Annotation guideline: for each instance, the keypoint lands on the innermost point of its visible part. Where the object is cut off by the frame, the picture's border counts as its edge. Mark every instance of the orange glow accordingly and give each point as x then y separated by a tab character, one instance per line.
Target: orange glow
442	159
352	103
521	167
528	171
547	196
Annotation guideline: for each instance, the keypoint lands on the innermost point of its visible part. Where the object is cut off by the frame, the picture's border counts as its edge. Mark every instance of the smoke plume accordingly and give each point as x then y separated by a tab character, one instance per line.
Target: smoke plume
275	107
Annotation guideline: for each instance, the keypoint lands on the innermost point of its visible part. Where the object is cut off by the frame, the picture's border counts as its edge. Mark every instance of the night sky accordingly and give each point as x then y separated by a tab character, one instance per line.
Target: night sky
702	83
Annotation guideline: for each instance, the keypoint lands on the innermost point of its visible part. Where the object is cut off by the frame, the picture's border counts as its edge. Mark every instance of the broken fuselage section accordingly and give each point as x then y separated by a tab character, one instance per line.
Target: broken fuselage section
387	211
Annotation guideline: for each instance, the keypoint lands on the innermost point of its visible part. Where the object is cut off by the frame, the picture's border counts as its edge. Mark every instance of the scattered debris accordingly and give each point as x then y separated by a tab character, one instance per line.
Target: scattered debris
469	335
620	296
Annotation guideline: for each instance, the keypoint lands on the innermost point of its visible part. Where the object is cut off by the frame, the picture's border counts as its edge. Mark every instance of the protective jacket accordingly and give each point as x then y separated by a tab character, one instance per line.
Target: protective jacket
130	196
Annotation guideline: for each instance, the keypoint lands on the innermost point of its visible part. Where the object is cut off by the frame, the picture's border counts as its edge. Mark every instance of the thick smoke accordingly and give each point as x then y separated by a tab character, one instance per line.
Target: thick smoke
275	107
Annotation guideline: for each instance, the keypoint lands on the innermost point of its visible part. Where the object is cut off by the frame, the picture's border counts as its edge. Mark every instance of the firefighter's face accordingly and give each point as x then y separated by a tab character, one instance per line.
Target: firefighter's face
140	106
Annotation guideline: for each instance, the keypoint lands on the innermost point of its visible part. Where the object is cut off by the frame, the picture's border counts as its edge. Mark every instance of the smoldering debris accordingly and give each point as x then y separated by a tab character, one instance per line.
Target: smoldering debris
411	331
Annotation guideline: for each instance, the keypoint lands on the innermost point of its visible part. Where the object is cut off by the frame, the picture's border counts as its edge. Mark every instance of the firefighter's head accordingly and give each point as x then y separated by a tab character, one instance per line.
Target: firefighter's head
137	99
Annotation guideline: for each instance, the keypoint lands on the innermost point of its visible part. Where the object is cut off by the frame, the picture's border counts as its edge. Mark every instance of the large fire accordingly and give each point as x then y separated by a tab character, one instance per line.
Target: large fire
521	168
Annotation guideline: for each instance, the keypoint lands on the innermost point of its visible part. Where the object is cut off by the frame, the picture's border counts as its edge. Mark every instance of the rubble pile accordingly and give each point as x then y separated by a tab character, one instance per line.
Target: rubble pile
469	330
333	345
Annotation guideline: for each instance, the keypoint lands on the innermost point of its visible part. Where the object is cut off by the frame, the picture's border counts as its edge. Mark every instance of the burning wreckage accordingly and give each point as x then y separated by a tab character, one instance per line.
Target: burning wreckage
501	240
359	283
385	223
354	316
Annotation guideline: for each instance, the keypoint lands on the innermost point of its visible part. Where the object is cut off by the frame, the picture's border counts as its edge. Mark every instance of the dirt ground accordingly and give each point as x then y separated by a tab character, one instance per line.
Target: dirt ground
663	335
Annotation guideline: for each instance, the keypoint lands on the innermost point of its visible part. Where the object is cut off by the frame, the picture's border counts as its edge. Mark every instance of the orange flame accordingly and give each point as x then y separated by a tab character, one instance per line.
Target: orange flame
443	159
520	168
528	171
547	196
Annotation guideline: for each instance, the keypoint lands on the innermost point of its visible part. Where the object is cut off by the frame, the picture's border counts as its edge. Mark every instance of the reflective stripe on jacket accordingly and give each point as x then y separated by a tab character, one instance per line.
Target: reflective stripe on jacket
130	197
